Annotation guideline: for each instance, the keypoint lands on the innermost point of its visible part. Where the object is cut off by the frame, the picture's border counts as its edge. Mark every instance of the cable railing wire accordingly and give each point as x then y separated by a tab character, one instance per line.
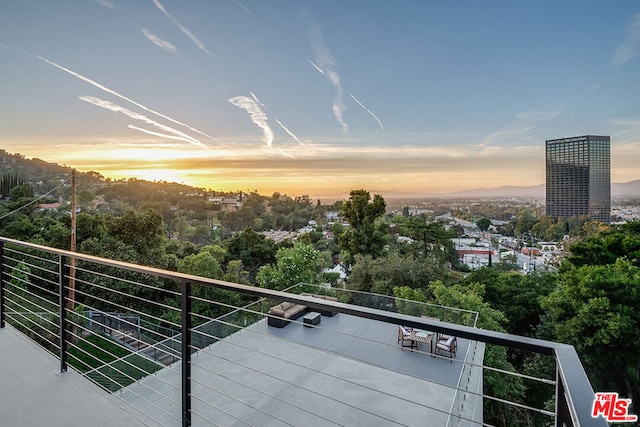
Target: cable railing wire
195	396
255	350
27	296
124	280
109	365
546	381
8	248
126	322
80	292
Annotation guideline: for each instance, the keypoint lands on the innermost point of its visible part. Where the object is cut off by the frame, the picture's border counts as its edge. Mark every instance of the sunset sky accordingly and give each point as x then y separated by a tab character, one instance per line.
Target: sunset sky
318	97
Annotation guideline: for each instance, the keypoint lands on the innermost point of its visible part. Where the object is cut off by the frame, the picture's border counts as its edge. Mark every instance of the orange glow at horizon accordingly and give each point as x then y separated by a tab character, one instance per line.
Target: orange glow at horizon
322	170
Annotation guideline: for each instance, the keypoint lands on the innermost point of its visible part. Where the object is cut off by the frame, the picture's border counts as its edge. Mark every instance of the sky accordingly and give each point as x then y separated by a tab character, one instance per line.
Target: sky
319	97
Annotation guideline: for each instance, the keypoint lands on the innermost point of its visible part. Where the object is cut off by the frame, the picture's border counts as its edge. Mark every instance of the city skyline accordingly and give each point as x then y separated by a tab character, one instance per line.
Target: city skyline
303	97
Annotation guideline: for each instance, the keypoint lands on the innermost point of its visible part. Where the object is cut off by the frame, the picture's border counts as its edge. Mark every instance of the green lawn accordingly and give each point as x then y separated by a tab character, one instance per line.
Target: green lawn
111	365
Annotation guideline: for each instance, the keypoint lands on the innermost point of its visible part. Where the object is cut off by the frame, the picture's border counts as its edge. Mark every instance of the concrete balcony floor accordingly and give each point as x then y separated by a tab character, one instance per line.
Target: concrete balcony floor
33	392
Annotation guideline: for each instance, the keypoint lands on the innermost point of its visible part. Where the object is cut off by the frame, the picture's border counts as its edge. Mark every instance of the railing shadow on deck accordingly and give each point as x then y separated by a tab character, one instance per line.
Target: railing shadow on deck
117	323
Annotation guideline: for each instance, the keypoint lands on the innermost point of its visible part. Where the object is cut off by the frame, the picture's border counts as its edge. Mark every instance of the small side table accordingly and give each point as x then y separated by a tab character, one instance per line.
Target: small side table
311	319
419	335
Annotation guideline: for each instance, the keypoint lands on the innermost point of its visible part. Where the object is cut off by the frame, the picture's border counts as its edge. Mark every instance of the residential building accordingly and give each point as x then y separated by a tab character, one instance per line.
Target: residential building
578	172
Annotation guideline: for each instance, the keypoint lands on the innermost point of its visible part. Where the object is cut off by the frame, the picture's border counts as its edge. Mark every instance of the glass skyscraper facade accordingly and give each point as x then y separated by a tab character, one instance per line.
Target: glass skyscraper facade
579	177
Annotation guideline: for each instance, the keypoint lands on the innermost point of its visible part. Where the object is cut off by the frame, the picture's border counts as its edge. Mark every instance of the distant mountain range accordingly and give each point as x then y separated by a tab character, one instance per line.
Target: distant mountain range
618	189
43	176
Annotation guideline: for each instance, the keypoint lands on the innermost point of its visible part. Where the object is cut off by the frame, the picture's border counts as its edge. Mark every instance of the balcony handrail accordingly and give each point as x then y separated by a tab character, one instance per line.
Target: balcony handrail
575	395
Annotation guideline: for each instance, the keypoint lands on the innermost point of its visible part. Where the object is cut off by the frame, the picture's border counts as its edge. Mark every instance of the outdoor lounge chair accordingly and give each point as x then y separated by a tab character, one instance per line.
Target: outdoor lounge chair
448	344
404	334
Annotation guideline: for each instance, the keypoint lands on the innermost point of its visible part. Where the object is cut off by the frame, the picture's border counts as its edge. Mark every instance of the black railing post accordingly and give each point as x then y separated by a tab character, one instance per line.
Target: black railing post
1	284
63	314
186	354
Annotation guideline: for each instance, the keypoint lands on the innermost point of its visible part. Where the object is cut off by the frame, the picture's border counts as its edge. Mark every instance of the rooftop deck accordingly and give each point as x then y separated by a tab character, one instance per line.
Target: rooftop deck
347	371
35	393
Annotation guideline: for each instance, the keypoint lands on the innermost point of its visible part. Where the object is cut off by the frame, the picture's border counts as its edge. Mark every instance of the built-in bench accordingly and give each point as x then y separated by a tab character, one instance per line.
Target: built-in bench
282	314
324	311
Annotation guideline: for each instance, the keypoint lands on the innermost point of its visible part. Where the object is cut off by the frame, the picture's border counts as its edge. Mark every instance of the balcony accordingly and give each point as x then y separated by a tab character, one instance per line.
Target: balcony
163	348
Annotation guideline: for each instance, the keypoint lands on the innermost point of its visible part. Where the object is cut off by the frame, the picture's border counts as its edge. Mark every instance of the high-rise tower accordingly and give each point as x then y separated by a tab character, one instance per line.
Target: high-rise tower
579	177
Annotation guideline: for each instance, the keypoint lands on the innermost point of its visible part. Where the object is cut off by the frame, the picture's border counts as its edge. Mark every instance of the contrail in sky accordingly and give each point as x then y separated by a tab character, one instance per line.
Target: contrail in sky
289	132
161	135
113	92
137	116
368	111
253	95
315	66
284	153
182	28
258	117
260	104
327	63
238	3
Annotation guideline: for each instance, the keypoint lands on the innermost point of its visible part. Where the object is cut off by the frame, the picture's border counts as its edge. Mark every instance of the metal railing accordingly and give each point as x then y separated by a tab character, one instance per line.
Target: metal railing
57	303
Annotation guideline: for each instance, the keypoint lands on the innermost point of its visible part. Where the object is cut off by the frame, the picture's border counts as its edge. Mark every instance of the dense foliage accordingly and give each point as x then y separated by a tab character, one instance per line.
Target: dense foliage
591	301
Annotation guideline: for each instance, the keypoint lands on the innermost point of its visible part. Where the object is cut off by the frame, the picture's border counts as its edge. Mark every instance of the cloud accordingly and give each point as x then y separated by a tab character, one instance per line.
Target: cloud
538	115
169	47
137	116
182	28
258	117
525	122
368	111
107	3
114	93
629	48
326	65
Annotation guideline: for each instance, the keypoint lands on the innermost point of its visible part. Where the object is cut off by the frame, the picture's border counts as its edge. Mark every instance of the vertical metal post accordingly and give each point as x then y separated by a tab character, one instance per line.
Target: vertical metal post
1	284
186	354
563	416
63	314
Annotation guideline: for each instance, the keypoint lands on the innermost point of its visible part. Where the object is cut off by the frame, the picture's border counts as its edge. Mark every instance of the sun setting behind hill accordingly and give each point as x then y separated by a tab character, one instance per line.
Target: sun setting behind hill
318	97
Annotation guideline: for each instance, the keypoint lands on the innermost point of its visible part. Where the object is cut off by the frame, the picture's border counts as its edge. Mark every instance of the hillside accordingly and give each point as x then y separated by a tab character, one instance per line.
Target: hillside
44	176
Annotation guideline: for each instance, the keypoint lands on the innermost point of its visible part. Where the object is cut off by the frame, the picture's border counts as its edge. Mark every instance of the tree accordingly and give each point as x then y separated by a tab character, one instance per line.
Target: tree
595	309
606	246
202	264
132	237
298	264
18	226
235	273
516	295
253	249
367	235
238	220
381	275
433	238
508	387
483	224
524	222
